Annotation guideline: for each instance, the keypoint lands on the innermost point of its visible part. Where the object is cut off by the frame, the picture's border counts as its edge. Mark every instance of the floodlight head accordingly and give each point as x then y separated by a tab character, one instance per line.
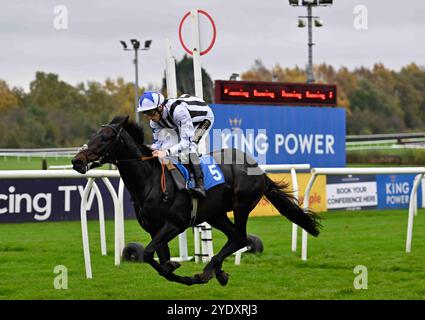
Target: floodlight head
294	3
135	43
234	76
318	23
309	2
123	44
301	23
147	44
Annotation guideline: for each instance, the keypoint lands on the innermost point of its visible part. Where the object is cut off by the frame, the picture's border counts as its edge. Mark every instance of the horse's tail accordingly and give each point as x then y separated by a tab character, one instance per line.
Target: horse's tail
287	205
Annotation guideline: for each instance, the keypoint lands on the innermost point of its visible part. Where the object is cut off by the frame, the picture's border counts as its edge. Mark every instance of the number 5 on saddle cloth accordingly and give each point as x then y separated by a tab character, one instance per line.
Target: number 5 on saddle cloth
184	180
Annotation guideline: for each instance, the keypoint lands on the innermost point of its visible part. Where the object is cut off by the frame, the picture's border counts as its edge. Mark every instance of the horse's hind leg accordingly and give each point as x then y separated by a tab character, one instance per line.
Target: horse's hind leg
233	243
236	242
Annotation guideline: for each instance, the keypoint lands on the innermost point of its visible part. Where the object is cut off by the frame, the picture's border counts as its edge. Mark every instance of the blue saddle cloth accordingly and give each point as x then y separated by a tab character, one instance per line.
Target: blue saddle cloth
213	175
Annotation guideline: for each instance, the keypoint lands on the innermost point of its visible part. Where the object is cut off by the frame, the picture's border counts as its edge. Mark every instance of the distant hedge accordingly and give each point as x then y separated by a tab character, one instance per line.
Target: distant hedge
388	156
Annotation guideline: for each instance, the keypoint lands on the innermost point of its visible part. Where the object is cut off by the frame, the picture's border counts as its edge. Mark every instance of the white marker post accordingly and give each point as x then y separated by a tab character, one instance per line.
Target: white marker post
197	68
171	80
204	228
202	231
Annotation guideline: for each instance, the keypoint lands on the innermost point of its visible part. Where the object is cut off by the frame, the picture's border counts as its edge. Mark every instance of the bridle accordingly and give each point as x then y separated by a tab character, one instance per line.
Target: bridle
106	154
105	157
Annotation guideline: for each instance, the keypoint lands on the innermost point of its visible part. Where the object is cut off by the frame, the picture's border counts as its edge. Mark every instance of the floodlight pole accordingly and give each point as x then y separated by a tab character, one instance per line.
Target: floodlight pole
136	47
310	75
136	87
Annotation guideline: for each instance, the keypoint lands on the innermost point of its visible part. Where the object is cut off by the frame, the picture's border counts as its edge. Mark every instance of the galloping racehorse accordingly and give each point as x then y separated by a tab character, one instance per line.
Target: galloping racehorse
121	142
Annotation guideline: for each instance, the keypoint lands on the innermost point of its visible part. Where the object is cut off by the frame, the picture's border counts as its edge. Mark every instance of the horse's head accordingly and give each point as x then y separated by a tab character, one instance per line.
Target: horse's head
102	146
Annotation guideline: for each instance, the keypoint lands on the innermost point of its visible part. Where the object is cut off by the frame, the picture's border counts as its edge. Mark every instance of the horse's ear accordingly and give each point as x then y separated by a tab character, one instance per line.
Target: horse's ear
124	121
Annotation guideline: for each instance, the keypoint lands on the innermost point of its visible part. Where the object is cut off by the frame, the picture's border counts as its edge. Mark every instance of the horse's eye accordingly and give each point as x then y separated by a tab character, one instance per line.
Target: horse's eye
104	137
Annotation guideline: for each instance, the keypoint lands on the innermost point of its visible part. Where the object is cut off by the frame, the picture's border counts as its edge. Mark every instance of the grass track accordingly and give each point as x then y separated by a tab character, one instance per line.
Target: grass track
31	163
376	239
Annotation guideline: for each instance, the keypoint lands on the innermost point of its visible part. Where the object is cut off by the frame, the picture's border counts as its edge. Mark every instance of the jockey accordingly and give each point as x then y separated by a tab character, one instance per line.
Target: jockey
188	116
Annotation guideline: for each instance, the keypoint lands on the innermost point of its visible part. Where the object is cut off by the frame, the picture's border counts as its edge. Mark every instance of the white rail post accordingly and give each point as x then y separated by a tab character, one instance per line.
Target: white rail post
419	177
306	206
117	222
294	226
183	253
197	242
238	255
84	229
207	242
121	205
101	219
417	180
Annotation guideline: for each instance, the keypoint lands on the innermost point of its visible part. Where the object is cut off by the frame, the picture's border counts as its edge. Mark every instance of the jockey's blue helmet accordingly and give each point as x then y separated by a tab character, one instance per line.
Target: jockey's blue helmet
150	100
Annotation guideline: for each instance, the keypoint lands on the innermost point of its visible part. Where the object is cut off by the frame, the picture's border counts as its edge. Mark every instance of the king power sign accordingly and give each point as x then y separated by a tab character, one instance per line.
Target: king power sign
282	135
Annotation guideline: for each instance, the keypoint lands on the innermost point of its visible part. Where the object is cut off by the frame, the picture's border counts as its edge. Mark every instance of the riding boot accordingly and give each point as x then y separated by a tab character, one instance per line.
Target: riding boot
199	189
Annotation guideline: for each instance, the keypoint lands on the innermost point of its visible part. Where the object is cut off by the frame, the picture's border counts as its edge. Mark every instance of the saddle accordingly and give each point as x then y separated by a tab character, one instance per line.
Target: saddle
179	179
184	179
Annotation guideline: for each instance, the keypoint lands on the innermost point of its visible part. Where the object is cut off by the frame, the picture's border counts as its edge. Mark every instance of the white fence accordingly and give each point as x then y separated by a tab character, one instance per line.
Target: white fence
119	241
91	176
39	153
420	171
282	167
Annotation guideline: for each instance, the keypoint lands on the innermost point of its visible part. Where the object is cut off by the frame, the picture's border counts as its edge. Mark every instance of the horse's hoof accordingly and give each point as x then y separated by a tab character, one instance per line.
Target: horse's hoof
196	280
172	265
188	281
204	278
222	277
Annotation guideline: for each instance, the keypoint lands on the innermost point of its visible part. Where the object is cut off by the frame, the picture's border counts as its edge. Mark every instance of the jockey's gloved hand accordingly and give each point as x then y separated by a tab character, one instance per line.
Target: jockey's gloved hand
160	153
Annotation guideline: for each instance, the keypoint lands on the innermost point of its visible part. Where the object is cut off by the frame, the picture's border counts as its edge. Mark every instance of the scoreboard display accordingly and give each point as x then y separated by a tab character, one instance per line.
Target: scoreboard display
274	93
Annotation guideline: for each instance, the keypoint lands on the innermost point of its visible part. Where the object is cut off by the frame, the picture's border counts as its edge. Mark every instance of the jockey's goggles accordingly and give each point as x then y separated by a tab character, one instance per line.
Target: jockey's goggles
150	113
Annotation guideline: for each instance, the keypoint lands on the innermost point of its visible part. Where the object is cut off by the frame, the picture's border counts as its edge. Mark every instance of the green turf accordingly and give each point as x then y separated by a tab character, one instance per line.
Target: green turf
33	163
30	163
376	239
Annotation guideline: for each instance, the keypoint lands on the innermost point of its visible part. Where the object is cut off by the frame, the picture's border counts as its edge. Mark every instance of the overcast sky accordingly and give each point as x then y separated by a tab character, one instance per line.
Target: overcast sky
89	48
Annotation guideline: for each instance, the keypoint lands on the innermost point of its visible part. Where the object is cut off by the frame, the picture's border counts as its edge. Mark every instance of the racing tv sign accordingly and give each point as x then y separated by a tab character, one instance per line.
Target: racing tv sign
40	200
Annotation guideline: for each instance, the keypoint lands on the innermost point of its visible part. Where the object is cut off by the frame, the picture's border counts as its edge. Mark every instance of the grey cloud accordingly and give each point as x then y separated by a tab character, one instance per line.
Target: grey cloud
247	30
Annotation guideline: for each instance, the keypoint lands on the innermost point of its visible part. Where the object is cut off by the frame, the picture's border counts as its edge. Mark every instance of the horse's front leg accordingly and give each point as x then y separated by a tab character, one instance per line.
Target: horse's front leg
164	256
163	251
161	238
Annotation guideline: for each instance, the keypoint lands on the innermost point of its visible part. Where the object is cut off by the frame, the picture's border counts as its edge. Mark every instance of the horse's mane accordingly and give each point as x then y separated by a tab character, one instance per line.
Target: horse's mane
135	131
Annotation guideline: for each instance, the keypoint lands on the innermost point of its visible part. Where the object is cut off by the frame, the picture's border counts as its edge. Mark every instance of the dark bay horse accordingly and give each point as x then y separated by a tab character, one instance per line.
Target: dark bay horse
121	142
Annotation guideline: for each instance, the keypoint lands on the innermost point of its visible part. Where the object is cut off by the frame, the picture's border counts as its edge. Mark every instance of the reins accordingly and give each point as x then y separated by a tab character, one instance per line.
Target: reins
163	179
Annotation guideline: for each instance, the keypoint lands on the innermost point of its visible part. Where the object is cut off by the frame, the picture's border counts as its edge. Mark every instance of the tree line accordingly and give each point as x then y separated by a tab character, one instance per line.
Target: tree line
54	113
376	100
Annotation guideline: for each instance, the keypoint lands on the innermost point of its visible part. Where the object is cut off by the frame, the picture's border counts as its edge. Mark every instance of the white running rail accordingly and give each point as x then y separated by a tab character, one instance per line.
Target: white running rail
91	176
277	168
419	171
